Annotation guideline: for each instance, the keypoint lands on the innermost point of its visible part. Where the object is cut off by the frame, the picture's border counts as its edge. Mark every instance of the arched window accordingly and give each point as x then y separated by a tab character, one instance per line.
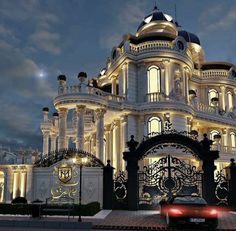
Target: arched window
154	79
232	139
154	125
230	100
213	133
212	93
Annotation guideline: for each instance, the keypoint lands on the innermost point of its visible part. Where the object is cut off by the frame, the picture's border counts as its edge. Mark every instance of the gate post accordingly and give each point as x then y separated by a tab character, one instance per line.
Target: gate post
132	169
108	186
231	177
208	158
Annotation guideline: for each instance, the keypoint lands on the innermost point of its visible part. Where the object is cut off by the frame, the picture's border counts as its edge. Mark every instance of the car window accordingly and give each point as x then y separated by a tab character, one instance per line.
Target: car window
189	200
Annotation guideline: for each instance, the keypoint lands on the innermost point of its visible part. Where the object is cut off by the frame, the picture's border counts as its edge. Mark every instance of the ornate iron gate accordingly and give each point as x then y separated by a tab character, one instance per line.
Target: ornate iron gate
165	177
221	188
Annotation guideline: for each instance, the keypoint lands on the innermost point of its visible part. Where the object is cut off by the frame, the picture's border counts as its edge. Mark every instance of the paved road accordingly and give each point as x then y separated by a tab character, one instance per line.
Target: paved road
120	220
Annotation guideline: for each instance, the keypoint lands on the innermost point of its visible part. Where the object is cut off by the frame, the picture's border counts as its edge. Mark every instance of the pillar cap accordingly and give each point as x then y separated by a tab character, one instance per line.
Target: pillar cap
61	77
46	109
82	74
55	114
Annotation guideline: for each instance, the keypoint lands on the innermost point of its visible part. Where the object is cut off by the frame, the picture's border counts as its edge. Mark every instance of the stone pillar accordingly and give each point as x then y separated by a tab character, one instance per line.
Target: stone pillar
45	142
231	177
208	167
108	186
113	85
116	149
124	138
53	138
62	128
132	168
100	134
222	97
166	63
107	135
110	154
80	127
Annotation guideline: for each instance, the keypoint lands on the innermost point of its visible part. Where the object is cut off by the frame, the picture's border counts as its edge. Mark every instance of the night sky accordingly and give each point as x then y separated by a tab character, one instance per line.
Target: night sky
40	39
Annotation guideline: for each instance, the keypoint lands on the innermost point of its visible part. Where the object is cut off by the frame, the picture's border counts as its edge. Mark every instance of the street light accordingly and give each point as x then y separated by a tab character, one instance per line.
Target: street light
80	161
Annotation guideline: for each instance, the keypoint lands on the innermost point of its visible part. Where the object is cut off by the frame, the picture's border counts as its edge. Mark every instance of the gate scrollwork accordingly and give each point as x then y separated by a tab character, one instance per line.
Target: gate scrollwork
167	176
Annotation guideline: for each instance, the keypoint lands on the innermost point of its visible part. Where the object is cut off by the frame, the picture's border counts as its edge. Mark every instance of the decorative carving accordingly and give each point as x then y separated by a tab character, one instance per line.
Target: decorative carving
65	182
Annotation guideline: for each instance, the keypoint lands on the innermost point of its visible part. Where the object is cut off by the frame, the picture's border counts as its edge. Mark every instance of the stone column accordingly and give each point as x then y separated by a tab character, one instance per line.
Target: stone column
53	138
124	138
222	97
166	63
80	127
113	85
108	147
100	133
45	142
62	128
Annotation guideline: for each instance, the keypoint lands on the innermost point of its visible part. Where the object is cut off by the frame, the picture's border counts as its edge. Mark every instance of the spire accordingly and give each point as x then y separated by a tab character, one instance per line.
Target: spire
155	7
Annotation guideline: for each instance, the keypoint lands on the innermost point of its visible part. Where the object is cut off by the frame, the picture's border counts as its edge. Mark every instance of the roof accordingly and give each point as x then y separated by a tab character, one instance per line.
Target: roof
189	37
156	15
216	65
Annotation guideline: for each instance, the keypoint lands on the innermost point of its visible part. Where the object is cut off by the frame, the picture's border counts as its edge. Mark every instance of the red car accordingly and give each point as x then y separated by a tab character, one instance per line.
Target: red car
189	210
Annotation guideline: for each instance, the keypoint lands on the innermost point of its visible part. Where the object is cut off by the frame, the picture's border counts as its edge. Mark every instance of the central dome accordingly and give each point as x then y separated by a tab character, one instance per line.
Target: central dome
157	21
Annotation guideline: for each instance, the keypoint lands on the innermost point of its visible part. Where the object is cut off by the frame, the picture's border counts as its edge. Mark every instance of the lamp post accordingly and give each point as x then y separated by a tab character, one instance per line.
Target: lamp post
80	161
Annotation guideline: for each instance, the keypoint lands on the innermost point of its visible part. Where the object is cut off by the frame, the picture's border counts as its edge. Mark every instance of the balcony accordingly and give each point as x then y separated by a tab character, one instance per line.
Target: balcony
215	74
224	150
86	90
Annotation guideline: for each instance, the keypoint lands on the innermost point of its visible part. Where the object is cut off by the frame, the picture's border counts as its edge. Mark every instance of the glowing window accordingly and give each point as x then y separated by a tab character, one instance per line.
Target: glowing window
154	79
230	100
212	94
154	125
232	138
213	133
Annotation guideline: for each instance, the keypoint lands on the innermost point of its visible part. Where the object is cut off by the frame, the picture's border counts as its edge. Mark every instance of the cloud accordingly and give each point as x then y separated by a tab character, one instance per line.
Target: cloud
213	19
126	21
47	41
13	63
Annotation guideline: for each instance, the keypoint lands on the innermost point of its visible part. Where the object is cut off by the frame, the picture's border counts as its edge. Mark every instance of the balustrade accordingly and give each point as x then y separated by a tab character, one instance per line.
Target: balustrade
215	73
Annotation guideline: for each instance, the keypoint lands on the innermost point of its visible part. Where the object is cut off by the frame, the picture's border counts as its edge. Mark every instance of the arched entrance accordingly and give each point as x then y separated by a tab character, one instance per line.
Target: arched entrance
170	174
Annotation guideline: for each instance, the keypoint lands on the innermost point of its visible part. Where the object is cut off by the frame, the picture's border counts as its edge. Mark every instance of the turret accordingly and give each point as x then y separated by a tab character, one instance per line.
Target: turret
56	119
45	114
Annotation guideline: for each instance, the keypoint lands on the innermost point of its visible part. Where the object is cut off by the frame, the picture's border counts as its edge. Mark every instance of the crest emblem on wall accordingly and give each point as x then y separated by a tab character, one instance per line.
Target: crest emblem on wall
64	174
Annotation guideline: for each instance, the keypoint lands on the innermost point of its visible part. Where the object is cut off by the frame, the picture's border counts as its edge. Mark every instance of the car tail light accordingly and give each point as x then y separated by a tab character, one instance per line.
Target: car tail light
213	212
175	211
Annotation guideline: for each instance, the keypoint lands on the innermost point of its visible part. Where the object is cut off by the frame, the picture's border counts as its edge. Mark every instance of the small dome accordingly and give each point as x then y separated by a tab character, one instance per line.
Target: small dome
46	109
55	114
155	16
157	22
189	37
61	77
82	74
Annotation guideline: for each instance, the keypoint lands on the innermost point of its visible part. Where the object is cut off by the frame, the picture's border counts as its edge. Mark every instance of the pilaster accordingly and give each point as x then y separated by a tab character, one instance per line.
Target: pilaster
62	128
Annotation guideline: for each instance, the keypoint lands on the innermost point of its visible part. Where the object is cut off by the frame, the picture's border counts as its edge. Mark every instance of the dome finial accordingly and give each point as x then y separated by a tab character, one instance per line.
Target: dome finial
155	7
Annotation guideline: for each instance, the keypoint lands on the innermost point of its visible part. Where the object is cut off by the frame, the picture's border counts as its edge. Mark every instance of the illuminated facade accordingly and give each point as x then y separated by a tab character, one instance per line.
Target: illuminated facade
154	80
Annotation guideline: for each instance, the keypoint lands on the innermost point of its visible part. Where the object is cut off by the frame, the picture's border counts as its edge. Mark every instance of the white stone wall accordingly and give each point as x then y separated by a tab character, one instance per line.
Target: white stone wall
92	184
132	83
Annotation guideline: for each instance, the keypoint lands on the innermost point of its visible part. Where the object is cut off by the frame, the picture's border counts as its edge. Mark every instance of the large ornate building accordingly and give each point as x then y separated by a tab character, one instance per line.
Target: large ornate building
156	80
